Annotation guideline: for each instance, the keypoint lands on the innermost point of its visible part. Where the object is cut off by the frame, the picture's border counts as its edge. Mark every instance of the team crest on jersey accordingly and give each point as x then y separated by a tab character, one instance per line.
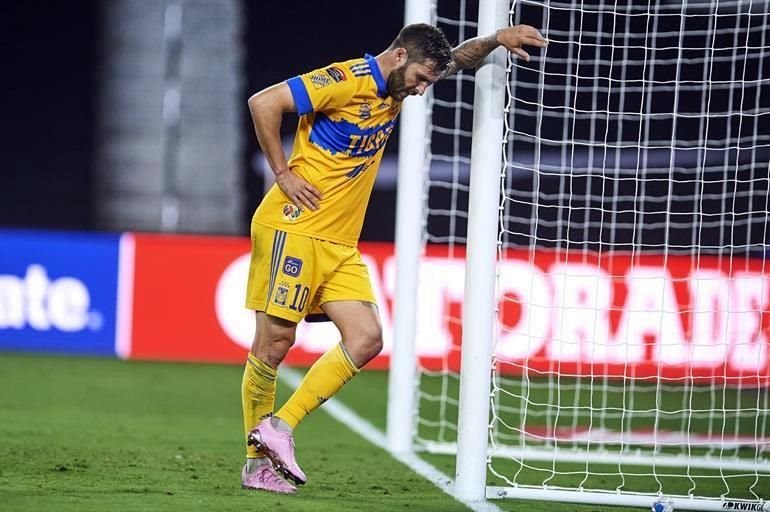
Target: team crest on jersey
281	293
336	74
290	212
320	80
365	111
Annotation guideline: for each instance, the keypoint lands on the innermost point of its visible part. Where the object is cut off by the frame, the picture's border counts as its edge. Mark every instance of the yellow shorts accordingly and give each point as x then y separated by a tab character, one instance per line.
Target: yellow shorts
291	276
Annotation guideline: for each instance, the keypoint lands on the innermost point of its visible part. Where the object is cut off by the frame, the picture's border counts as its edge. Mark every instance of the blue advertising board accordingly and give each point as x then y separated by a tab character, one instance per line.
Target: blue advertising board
58	292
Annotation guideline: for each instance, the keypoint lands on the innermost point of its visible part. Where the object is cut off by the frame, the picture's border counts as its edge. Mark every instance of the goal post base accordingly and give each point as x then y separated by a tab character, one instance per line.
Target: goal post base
621	499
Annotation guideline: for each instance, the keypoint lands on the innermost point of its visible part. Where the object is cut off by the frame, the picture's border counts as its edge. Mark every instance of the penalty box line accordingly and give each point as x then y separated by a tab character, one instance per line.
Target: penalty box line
345	415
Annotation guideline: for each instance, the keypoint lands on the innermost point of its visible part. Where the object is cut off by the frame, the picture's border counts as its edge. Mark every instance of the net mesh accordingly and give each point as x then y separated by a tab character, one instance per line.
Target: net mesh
633	292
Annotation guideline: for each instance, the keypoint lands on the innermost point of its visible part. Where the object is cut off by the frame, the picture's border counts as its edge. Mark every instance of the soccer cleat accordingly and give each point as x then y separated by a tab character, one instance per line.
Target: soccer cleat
264	478
279	448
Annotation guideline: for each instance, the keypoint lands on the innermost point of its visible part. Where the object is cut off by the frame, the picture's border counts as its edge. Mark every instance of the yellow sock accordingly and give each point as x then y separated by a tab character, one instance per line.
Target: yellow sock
257	396
322	381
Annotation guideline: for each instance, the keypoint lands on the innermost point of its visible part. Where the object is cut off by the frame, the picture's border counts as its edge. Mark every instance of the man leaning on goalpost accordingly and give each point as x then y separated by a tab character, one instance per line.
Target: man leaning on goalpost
304	234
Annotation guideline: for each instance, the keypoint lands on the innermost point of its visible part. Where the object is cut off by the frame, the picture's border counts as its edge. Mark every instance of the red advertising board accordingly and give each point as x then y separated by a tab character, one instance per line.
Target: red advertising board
623	315
174	316
188	302
685	318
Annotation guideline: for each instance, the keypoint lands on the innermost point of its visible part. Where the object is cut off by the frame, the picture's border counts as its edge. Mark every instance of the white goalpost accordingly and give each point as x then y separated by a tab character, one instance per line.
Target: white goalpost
586	301
409	246
478	318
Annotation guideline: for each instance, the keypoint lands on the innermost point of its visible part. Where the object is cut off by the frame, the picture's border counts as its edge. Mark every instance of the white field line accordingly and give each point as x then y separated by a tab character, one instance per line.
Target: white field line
369	432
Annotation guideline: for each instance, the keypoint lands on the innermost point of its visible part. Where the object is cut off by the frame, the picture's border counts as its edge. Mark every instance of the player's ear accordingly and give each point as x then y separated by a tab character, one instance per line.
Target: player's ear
401	56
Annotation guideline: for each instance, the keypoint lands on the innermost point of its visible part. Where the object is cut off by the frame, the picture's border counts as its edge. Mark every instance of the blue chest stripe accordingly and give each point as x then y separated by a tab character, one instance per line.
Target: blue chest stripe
348	138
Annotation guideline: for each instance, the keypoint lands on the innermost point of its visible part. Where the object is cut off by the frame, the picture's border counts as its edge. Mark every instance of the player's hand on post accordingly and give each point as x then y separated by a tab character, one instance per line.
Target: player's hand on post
513	38
300	192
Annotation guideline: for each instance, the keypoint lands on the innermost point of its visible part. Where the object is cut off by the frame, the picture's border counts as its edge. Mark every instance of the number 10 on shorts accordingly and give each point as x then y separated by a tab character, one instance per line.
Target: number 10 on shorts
301	294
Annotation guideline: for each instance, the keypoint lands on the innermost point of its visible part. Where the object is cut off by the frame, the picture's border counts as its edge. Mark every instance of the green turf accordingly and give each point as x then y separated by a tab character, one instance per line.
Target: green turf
104	435
99	434
366	400
440	418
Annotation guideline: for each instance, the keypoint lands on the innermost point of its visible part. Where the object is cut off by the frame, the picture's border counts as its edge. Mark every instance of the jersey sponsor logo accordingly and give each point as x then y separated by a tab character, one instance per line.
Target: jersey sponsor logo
292	266
348	138
319	80
365	111
291	212
336	74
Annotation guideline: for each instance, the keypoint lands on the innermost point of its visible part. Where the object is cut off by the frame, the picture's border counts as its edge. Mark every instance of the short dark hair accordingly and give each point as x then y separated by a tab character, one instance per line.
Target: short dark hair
424	42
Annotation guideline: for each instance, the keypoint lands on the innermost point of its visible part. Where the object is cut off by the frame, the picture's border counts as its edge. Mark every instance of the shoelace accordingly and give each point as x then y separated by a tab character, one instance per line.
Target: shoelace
270	477
266	475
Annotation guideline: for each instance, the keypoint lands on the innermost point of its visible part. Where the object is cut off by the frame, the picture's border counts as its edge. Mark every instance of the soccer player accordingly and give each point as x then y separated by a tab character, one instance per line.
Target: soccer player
304	259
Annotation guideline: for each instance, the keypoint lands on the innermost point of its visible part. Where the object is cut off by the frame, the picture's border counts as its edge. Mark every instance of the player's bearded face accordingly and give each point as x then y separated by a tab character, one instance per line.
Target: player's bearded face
397	88
410	79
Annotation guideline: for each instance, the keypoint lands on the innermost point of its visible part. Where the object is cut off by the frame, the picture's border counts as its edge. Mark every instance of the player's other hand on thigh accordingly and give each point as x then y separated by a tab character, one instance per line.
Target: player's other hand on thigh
513	38
300	192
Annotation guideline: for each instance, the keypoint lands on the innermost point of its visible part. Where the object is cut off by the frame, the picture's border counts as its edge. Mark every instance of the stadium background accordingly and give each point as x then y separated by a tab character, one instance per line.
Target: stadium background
53	168
79	432
54	53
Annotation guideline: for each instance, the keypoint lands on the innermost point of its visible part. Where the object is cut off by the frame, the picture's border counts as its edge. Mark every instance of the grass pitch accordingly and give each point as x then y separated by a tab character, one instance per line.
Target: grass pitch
99	434
103	435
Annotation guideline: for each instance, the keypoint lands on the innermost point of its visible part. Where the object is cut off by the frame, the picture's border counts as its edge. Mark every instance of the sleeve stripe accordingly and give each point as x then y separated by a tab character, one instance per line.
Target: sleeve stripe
300	95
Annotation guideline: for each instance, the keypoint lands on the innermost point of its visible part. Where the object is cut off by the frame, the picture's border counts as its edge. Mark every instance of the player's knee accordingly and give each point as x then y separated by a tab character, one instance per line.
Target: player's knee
378	344
277	348
373	342
271	345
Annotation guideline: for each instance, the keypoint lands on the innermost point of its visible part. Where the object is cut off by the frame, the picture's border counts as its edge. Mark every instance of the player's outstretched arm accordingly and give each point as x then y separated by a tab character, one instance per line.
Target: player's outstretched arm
471	52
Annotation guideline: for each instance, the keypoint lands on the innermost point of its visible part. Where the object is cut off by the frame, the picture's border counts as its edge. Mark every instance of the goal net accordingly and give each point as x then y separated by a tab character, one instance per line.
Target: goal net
631	357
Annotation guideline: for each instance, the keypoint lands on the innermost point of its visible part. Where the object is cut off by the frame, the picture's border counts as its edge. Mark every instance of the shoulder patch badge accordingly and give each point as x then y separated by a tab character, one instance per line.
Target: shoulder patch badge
320	80
336	74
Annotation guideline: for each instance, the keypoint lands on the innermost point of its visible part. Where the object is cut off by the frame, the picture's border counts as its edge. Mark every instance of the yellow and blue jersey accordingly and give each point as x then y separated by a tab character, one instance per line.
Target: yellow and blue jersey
346	119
